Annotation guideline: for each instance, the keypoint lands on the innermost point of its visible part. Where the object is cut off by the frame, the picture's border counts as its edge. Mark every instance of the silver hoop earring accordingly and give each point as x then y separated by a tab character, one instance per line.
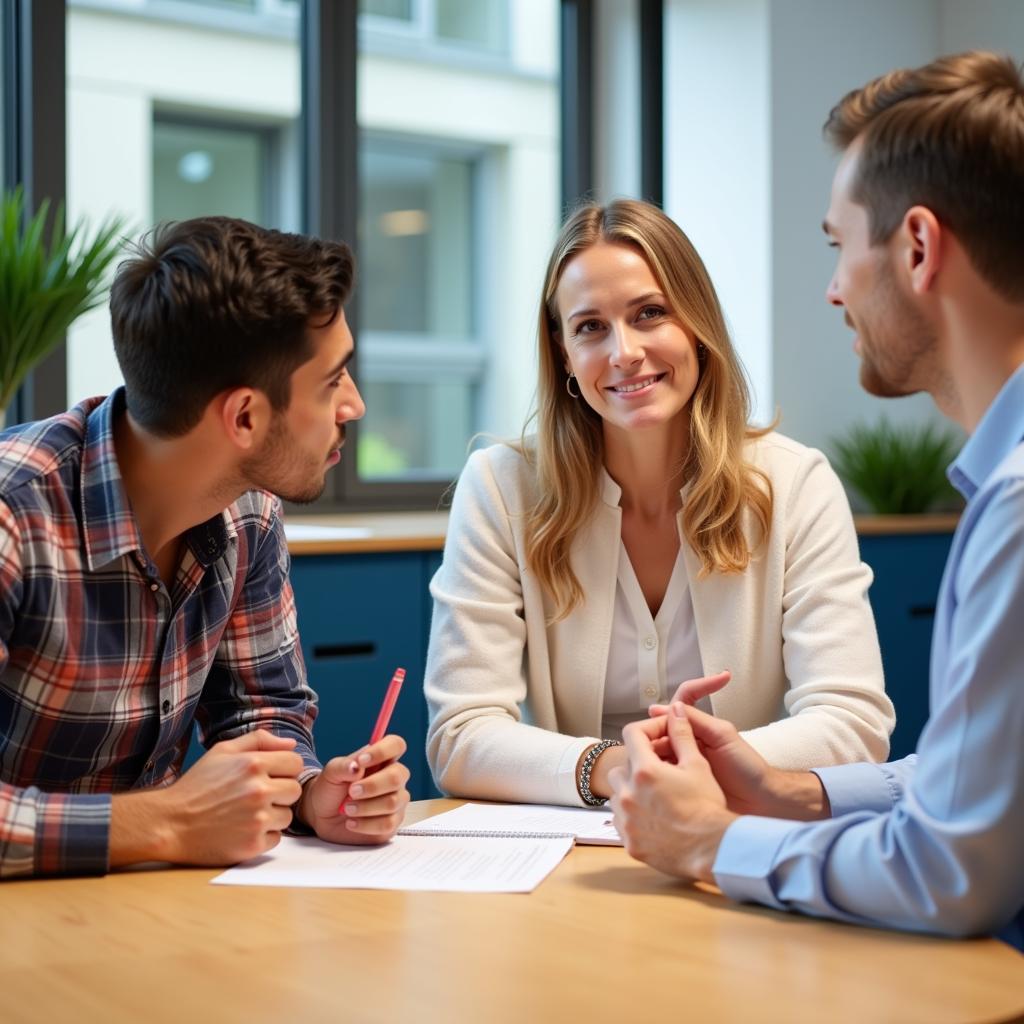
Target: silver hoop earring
568	386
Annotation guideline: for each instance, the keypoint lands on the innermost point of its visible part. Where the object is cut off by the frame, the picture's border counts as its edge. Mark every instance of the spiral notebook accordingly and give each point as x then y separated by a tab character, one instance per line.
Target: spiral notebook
588	826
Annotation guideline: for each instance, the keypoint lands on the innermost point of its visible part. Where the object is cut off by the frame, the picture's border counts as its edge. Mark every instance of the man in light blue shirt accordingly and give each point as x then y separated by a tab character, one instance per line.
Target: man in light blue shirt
927	214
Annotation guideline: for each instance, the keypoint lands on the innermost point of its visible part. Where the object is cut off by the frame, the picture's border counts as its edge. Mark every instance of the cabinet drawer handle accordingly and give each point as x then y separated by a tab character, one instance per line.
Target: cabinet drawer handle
343	650
922	611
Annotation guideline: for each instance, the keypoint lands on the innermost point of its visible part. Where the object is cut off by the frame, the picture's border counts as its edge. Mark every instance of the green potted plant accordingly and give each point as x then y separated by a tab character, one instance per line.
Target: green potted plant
898	470
48	278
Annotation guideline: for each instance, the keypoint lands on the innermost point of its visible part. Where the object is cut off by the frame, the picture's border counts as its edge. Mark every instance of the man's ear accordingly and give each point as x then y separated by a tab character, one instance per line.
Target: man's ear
921	239
244	416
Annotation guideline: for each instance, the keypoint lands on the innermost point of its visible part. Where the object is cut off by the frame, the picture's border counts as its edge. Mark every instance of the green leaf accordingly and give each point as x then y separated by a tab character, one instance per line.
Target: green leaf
48	278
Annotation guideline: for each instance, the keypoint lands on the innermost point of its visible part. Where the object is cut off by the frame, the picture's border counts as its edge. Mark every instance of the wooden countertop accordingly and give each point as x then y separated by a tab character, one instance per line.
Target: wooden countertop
425	531
603	938
868	526
367	532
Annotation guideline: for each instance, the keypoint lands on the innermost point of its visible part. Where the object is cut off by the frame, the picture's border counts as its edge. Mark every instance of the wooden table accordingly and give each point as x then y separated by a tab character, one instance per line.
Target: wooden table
603	938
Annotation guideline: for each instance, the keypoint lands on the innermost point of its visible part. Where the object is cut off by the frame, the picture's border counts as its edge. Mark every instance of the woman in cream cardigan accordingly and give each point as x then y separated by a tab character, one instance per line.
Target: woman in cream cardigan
645	535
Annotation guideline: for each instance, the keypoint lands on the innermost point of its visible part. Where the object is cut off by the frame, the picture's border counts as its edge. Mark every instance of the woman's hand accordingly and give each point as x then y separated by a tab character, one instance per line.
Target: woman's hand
692	691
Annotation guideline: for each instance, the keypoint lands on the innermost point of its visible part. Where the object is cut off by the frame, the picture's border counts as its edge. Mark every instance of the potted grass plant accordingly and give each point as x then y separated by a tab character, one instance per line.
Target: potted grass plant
48	278
899	474
898	470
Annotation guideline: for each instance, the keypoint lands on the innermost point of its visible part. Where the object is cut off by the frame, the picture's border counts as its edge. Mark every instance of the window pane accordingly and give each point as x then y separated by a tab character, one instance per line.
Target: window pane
459	205
170	118
199	170
415	244
399	9
482	23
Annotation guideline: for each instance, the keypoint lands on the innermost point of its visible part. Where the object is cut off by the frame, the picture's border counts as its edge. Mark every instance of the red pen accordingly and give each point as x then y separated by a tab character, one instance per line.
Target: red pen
388	705
384	717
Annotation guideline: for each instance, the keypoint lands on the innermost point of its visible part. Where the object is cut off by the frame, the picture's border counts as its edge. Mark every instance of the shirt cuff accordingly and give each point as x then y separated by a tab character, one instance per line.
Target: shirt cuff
746	858
297	827
856	787
72	834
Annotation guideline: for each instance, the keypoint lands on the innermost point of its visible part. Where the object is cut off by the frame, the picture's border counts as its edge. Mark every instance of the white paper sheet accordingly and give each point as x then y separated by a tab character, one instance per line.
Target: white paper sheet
413	863
311	531
590	826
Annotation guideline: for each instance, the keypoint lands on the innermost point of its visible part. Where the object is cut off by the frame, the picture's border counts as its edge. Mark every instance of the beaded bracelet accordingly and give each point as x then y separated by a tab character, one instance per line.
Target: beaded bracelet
583	783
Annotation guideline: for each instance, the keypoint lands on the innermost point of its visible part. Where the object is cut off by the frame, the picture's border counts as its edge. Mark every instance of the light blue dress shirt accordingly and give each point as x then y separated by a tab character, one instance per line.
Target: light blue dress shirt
934	842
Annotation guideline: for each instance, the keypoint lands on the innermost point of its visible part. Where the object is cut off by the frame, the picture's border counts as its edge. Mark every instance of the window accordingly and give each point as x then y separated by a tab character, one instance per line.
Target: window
454	192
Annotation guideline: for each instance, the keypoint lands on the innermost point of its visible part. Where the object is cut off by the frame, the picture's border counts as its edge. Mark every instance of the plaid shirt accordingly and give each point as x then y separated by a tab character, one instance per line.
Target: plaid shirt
103	669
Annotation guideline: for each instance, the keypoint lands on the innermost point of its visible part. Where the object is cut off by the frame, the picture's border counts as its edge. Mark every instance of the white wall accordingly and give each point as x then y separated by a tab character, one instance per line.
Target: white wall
821	49
717	162
982	24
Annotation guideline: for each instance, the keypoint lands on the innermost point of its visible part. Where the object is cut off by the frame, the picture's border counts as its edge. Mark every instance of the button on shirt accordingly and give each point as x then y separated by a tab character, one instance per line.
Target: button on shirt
934	842
102	669
649	655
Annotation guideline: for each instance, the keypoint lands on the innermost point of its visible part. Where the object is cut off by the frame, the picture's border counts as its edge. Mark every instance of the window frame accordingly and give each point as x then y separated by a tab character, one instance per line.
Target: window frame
652	100
34	41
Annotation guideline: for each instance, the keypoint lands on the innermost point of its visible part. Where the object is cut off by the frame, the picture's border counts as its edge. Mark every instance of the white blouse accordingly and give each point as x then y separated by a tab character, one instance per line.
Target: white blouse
649	656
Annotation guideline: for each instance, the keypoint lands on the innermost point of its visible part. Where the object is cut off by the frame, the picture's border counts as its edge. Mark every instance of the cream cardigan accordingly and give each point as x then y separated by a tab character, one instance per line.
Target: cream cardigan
513	701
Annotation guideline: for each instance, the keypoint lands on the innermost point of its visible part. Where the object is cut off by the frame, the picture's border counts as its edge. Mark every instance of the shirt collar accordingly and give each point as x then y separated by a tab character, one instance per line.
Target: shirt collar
611	492
1000	431
108	523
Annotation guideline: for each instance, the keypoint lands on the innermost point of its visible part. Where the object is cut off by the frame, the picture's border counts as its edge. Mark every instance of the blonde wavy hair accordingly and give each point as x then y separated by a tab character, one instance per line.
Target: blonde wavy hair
567	451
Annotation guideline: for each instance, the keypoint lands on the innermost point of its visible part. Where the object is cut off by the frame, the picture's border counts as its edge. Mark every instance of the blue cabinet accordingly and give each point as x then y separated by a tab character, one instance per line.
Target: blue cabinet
363	615
360	617
908	569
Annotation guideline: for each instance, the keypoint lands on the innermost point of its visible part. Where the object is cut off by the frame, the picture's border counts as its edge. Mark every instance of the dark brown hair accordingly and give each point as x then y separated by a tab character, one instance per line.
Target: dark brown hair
215	303
948	136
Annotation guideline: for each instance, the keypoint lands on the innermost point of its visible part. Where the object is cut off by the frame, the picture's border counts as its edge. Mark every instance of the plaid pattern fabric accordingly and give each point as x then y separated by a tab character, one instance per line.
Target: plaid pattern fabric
103	669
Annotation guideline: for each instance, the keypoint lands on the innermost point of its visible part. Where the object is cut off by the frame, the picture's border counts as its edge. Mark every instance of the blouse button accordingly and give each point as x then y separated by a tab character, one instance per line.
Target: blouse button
650	642
650	691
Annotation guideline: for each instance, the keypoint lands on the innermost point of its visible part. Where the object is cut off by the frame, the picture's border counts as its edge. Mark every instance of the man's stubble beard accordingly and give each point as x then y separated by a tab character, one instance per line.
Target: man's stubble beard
273	468
896	353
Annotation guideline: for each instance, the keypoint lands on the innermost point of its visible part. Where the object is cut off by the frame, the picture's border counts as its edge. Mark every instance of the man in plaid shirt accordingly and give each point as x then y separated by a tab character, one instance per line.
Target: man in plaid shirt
144	572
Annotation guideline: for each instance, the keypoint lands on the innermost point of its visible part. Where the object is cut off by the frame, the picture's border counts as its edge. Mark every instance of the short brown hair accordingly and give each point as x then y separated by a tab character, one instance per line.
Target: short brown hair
948	136
215	303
